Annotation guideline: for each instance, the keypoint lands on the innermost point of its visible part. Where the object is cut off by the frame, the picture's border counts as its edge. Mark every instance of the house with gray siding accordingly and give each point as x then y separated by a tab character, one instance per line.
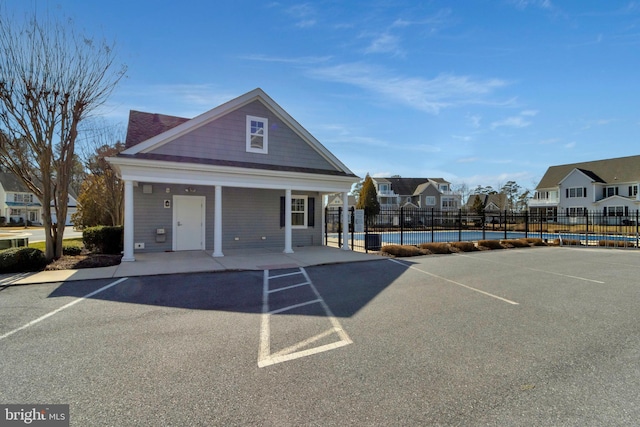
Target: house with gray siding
243	175
433	193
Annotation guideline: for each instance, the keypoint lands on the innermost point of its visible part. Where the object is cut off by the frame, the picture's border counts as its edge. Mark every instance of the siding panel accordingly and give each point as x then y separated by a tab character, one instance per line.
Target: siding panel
225	139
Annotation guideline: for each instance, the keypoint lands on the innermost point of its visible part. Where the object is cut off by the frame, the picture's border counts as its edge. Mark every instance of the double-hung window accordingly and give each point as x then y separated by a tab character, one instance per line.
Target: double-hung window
577	192
257	135
299	211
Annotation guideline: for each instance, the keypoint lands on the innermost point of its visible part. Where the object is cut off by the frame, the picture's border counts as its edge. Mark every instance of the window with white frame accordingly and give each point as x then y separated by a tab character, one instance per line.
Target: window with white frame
299	211
448	203
430	200
611	191
257	135
576	192
615	211
23	198
576	211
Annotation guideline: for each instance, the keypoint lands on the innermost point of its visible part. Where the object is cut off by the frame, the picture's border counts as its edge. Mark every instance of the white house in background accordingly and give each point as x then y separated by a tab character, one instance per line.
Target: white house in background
433	193
18	203
243	175
607	186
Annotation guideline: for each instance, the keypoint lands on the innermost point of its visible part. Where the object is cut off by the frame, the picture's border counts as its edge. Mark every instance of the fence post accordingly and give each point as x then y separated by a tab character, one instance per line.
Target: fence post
432	224
326	229
505	223
339	226
353	225
459	225
526	224
484	225
637	236
366	231
586	228
540	221
401	225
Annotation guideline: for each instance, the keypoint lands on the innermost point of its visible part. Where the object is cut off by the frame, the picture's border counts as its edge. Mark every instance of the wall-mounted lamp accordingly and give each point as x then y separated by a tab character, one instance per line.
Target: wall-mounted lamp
190	190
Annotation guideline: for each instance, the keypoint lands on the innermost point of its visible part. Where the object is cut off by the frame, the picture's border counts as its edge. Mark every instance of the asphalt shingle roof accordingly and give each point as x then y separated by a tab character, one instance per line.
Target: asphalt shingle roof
621	169
143	126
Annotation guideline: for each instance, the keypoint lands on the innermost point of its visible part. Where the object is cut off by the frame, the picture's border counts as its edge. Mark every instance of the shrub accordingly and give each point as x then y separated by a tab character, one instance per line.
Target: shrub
490	244
103	239
535	241
71	250
463	246
436	248
403	250
16	260
516	243
568	242
615	243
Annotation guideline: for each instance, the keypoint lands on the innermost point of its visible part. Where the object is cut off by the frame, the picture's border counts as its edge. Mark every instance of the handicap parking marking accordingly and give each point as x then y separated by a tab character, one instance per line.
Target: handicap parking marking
295	280
456	283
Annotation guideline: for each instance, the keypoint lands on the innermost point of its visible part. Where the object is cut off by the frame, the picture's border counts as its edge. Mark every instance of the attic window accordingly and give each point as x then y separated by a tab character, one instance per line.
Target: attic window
257	135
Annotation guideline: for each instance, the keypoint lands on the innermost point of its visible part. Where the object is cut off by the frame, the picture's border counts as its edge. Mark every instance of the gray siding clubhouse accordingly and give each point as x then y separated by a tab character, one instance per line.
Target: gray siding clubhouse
242	175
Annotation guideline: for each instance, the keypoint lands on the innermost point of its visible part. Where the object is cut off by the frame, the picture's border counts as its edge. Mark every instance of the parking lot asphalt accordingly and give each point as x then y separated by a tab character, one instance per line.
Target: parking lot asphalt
537	336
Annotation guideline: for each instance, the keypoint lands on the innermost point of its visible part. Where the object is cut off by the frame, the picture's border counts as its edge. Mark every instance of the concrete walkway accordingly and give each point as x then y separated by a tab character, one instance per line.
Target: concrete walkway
148	264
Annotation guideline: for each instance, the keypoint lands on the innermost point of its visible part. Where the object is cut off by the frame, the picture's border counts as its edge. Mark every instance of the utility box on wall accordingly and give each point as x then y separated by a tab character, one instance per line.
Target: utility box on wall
161	236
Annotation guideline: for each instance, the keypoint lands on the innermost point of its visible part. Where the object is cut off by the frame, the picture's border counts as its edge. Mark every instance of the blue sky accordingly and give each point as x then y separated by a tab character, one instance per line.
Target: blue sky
477	92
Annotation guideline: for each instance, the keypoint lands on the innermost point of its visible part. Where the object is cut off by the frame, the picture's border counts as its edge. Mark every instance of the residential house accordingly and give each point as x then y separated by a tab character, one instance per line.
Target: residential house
243	175
493	203
334	201
432	193
18	202
607	186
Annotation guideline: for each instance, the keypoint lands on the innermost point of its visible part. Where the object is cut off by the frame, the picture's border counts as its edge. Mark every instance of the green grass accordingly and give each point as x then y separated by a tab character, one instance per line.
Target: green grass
77	241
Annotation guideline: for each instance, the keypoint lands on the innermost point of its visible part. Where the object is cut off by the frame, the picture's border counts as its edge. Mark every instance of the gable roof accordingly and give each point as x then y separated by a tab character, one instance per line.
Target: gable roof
621	169
10	182
141	141
143	126
498	199
409	186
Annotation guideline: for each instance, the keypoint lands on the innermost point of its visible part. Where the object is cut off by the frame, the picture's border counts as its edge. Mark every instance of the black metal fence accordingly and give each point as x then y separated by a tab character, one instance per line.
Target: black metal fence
407	226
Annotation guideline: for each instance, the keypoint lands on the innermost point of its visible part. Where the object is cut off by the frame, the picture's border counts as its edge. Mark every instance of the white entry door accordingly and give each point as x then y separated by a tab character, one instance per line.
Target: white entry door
188	223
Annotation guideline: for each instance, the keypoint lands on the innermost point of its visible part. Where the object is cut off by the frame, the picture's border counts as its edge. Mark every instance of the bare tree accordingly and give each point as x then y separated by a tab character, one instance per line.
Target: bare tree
51	78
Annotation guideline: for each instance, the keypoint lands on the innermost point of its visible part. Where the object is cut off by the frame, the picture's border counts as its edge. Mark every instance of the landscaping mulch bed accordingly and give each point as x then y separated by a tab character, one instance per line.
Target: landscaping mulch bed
68	262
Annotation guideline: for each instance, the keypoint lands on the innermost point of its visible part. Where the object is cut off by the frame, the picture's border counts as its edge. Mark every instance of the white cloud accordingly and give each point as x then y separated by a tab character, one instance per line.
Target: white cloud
430	95
513	122
519	121
385	43
302	60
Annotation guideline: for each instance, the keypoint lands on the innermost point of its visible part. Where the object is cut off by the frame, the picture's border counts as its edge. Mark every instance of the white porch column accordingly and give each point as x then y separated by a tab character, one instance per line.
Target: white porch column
217	223
128	222
287	222
345	221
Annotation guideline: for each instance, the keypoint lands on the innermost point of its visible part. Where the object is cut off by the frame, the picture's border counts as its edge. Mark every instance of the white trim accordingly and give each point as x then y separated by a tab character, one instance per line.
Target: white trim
305	212
265	135
175	173
211	115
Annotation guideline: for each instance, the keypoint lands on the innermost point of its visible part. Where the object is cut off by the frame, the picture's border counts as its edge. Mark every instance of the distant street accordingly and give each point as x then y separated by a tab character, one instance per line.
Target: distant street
37	234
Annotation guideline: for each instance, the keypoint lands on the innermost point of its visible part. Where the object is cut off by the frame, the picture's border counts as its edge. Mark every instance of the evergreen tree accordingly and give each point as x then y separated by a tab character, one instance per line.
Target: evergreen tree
368	199
478	206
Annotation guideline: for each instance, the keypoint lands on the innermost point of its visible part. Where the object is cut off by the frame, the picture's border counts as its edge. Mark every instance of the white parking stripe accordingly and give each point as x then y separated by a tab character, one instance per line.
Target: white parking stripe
536	270
64	307
456	283
265	357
